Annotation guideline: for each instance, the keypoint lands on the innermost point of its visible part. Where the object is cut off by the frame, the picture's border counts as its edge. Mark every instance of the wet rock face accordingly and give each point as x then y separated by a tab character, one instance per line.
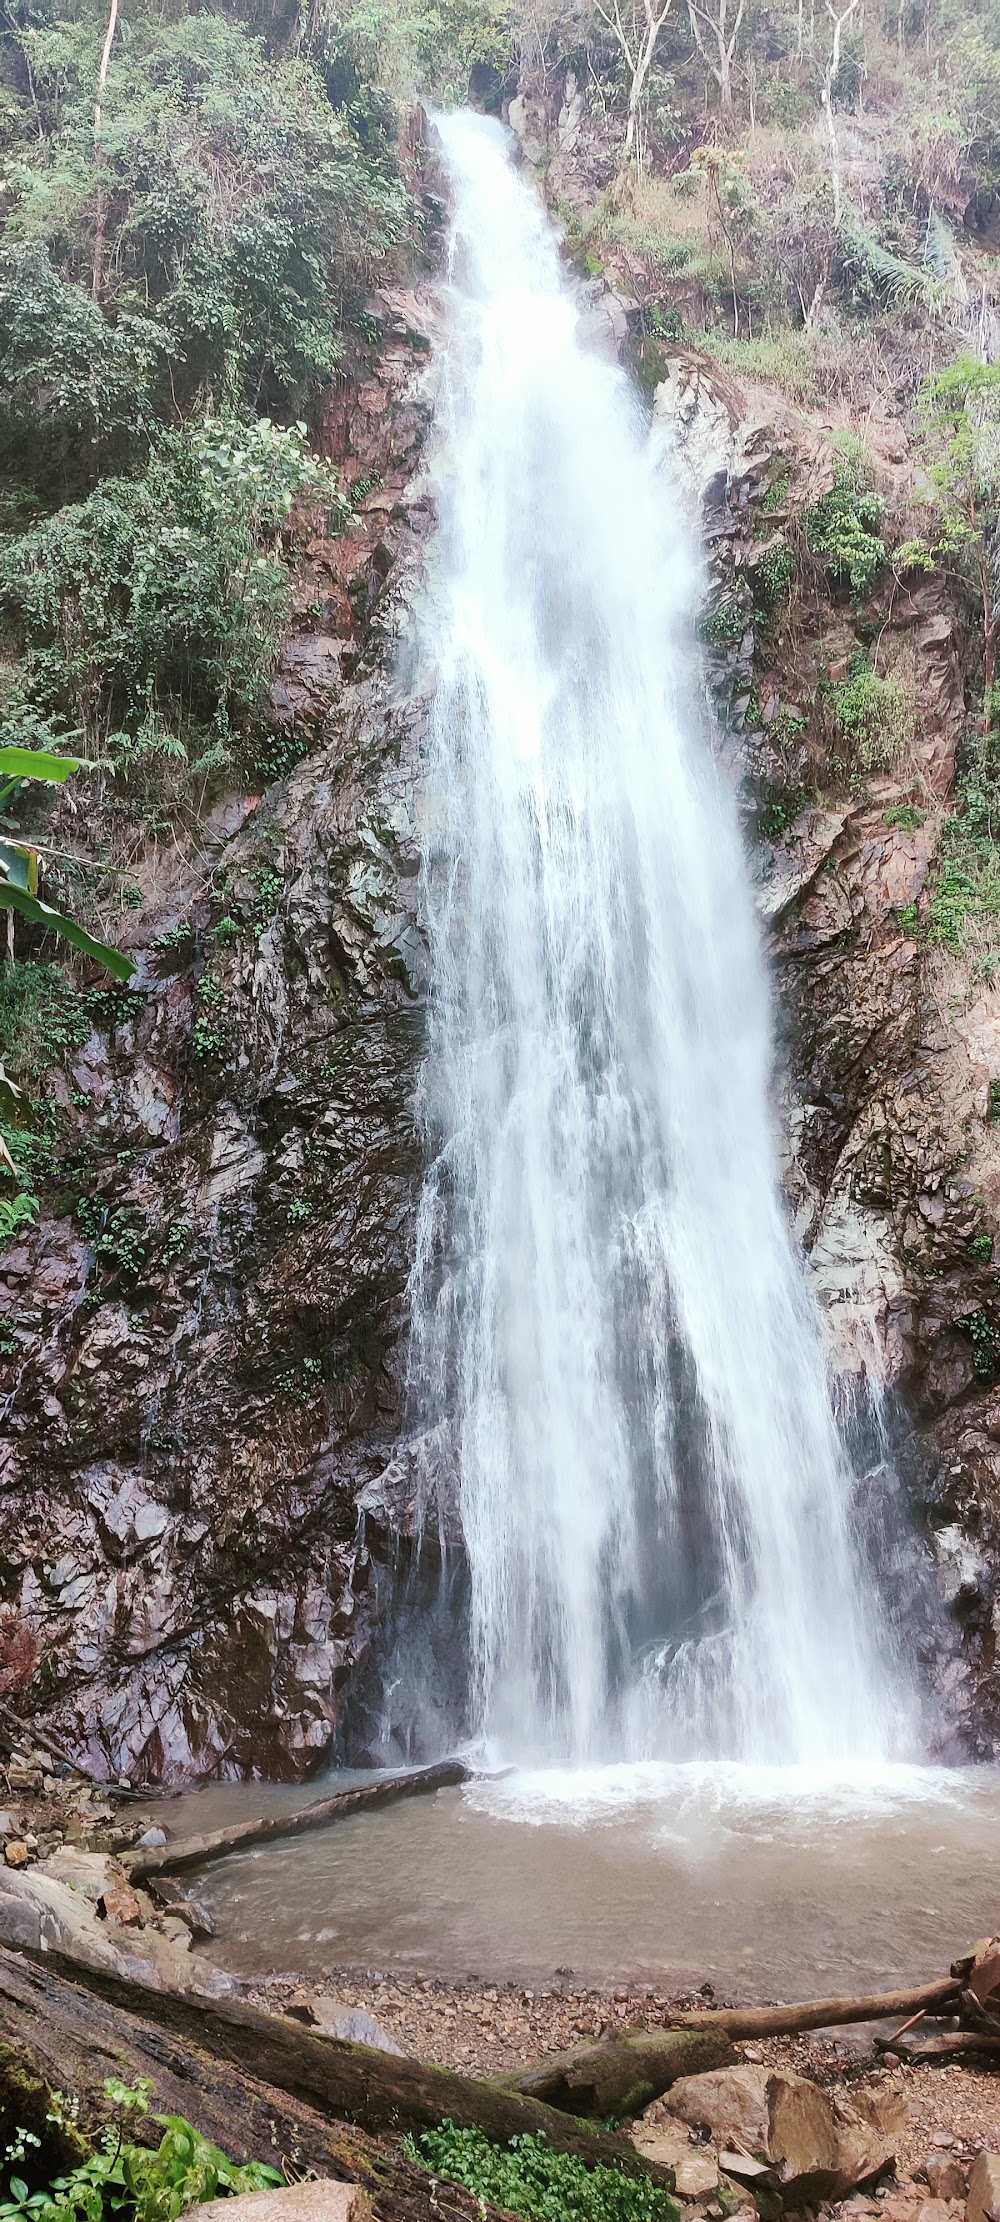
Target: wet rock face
200	1361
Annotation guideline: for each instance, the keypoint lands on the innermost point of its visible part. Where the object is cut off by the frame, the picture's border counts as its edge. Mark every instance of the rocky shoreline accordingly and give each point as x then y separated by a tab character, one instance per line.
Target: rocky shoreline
64	1887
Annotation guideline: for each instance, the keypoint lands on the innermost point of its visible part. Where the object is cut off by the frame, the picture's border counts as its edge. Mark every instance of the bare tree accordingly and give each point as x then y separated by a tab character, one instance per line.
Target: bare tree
715	29
830	76
636	32
100	233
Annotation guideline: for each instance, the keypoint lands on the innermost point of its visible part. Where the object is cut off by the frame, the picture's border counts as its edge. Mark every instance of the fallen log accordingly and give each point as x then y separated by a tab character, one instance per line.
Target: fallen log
622	2075
58	2037
195	1851
948	2045
819	2013
375	2091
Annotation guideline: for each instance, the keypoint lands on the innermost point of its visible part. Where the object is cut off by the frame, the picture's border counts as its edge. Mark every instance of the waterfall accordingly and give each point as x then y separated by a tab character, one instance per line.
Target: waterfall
610	1324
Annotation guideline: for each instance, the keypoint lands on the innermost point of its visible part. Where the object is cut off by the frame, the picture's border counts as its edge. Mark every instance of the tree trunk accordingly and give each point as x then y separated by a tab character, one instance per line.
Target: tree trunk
100	231
376	2091
57	2037
196	1851
625	2074
820	2013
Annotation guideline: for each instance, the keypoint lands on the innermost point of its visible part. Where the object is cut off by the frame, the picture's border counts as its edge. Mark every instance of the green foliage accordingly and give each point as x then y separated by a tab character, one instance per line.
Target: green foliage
985	1348
157	604
76	392
993	1111
906	816
981	1248
526	2177
43	1018
844	527
246	214
783	359
773	573
210	1032
19	860
963	906
875	716
127	2179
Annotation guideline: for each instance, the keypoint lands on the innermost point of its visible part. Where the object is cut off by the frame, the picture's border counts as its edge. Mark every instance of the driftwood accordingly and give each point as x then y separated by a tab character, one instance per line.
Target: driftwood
820	2013
375	2091
195	1851
624	2074
55	2036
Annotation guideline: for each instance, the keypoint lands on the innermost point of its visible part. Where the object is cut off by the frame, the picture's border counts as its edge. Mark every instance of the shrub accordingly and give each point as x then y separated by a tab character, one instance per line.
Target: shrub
154	609
876	717
843	527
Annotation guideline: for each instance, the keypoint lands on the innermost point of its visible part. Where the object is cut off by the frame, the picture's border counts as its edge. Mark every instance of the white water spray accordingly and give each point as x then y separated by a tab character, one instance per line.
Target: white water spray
607	1310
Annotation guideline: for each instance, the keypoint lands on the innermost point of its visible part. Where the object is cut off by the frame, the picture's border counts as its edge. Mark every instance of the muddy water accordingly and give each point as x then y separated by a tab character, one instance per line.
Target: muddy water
771	1883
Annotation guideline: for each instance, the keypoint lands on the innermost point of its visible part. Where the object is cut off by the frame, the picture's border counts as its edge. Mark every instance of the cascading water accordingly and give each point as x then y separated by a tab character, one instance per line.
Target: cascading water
608	1316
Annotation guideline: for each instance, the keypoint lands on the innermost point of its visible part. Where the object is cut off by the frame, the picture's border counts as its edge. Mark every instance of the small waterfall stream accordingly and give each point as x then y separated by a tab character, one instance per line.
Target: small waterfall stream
608	1313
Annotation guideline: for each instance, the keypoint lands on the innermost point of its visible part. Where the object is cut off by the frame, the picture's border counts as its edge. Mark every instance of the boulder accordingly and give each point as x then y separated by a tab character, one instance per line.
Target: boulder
319	2201
983	2202
946	2177
730	2103
820	2146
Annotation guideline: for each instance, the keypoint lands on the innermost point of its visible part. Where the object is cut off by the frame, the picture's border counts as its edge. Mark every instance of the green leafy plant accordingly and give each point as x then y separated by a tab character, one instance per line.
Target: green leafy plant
527	2177
20	860
985	1348
844	527
127	2179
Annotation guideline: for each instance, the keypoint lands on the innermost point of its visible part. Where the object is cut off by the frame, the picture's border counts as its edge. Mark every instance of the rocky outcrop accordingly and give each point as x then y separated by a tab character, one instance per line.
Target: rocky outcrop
200	1367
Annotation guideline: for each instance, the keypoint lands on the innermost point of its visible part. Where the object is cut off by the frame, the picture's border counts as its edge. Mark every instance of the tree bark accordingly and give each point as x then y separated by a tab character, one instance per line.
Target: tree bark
57	2037
196	1851
375	2091
625	2074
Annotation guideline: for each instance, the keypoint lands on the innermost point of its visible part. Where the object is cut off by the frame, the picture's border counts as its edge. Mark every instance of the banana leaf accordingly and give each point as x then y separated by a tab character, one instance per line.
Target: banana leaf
14	897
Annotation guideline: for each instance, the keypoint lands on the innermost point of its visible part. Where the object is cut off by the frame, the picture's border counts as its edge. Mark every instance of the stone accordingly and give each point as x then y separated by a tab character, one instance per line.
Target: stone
947	2179
152	1840
177	1931
668	2143
821	2147
983	2202
8	1824
353	2024
174	1900
730	2103
16	1852
322	2200
121	1904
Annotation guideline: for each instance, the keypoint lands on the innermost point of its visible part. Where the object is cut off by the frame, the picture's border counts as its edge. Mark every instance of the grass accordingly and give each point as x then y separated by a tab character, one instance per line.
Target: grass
783	359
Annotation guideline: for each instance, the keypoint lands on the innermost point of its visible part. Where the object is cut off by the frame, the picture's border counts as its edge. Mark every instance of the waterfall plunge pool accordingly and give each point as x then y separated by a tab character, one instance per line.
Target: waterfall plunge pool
769	1883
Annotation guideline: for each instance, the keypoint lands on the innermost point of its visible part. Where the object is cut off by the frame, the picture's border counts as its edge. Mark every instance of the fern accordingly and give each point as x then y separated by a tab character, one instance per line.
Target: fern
885	274
941	257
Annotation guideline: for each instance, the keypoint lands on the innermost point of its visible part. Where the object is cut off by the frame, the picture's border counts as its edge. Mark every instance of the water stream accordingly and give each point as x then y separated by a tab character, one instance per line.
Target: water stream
610	1323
